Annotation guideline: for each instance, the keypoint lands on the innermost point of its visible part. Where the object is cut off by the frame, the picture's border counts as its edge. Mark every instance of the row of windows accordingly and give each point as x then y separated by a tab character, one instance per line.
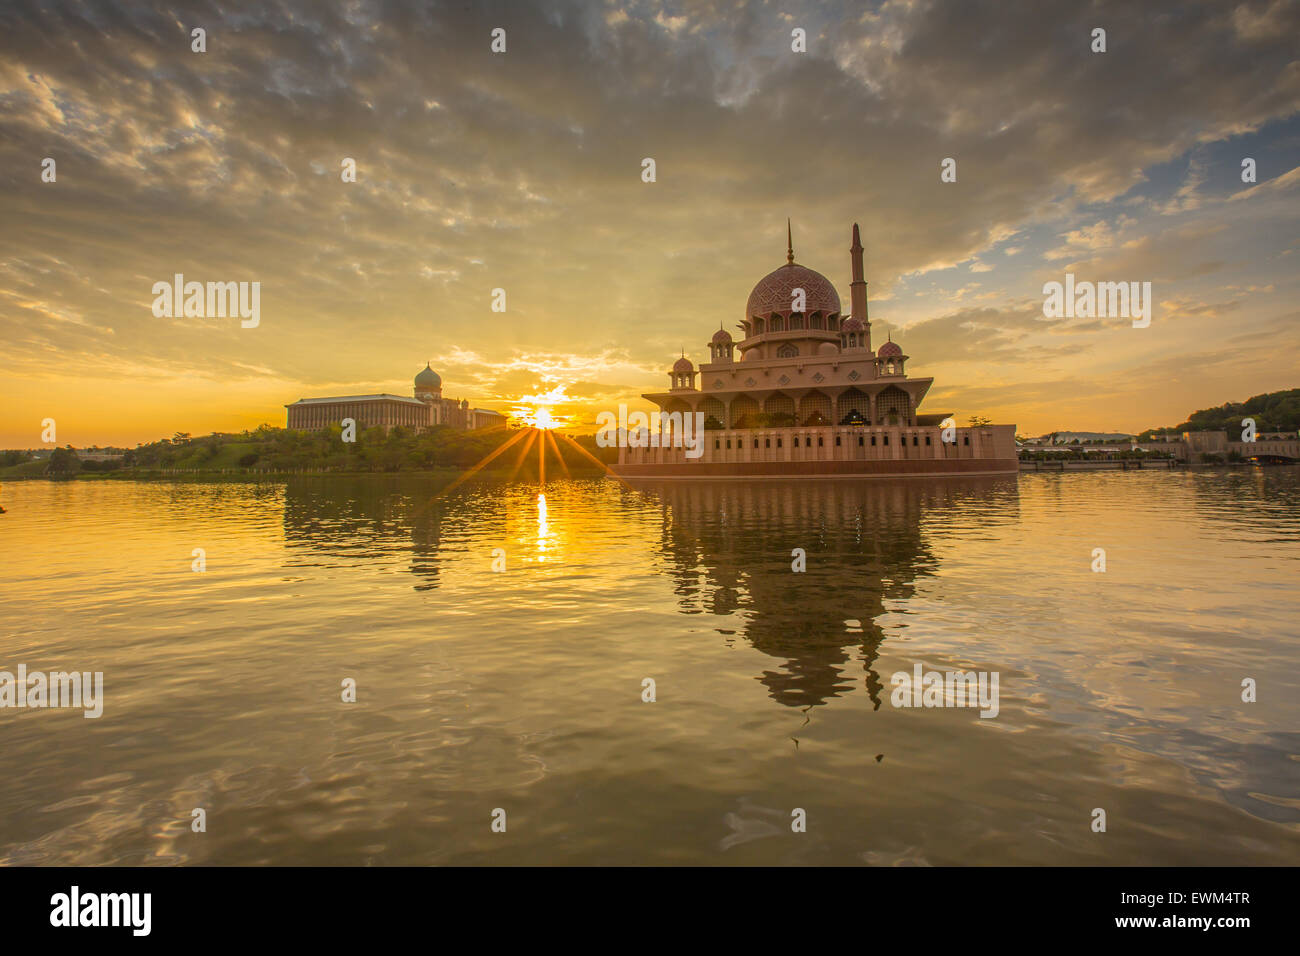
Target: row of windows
789	448
807	441
776	324
852	341
365	414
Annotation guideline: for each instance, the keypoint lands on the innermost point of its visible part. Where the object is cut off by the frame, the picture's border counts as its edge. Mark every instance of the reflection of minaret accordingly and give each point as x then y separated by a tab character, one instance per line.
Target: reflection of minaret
858	288
741	538
729	551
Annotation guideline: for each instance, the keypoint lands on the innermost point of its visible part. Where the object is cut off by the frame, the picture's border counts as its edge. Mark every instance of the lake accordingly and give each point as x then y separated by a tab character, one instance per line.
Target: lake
521	690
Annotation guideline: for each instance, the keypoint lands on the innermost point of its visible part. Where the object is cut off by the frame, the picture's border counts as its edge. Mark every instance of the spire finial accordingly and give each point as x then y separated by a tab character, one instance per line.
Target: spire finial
789	243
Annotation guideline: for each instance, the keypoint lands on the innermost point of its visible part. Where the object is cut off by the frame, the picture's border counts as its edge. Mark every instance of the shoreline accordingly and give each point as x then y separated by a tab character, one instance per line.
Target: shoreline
181	474
1032	467
452	474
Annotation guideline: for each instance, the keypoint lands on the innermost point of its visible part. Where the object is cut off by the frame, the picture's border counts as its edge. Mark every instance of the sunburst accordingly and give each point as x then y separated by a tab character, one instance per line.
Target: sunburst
538	411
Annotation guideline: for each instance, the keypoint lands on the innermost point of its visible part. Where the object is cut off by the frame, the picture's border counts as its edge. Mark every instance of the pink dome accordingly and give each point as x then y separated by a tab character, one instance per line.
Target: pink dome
721	336
851	324
889	350
683	364
772	293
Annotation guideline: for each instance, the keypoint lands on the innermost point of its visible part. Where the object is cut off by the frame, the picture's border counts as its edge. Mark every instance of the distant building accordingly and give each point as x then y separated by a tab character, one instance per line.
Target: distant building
1267	445
1195	446
477	418
427	409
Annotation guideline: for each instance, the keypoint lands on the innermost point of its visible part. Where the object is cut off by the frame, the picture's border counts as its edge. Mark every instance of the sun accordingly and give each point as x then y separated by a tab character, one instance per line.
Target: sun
542	418
537	411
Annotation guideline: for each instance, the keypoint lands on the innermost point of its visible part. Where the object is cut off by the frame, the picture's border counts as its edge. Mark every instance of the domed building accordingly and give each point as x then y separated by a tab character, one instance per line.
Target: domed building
428	380
803	393
425	410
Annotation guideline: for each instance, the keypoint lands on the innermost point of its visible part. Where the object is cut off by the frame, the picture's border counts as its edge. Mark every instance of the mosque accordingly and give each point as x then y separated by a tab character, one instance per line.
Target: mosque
427	409
803	394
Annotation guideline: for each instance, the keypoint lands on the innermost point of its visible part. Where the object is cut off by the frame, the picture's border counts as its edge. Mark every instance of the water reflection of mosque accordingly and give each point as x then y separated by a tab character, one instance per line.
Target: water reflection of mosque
726	545
729	546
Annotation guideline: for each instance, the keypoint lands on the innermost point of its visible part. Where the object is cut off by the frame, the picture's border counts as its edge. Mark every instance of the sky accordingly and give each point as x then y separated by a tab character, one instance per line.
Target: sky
522	170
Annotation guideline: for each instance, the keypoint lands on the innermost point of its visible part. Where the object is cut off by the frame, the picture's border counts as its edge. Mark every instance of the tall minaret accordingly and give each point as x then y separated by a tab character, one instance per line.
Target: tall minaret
858	288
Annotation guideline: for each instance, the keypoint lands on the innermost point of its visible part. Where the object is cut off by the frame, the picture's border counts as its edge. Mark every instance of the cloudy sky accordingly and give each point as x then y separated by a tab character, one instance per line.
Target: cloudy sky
522	170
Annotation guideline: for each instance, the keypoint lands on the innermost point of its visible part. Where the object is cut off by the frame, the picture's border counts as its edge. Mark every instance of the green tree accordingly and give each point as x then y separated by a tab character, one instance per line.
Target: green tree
63	462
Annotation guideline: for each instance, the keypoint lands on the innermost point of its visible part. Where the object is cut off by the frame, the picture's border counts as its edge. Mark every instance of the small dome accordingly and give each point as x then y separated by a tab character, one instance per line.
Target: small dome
889	350
722	336
429	378
683	364
851	324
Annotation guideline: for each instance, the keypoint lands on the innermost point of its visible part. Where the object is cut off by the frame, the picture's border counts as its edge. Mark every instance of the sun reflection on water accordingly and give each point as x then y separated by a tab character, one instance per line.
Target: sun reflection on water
543	527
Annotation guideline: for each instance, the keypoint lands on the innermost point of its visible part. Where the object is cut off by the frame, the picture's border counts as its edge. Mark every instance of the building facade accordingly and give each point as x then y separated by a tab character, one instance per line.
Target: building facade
1200	446
803	394
1192	447
425	410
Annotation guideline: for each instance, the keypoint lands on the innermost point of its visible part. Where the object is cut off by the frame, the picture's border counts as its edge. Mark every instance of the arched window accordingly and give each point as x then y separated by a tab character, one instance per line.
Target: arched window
744	410
855	408
787	351
779	409
893	406
814	409
715	413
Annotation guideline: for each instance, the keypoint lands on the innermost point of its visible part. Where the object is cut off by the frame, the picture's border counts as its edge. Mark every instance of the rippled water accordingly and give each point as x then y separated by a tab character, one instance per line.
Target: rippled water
522	690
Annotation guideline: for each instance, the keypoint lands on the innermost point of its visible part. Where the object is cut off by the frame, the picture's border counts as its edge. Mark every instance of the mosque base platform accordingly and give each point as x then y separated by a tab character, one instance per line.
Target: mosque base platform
886	468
